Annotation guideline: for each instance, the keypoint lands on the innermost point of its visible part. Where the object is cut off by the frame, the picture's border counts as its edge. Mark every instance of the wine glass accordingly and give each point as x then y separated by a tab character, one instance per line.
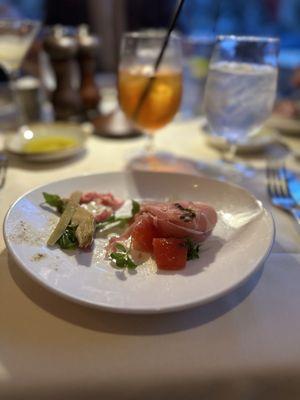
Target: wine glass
16	37
241	87
150	97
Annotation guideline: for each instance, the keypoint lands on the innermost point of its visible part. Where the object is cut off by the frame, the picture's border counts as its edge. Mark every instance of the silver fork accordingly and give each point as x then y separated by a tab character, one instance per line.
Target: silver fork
278	189
3	168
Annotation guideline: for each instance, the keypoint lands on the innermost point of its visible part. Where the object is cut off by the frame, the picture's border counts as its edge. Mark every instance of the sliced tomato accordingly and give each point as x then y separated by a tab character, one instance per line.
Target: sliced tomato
169	253
143	234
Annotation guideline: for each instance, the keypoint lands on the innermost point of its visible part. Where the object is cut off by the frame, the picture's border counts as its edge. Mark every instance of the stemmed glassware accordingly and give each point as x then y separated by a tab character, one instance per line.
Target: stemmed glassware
241	86
16	37
150	98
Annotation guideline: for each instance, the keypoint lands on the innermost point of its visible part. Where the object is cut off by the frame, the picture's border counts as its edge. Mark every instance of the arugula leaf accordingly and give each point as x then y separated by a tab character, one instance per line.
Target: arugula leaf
54	201
129	263
135	208
122	258
119	222
113	222
192	249
121	248
68	239
104	224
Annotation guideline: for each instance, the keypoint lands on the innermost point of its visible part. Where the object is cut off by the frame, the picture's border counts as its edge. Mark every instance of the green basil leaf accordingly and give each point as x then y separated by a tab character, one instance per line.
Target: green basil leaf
108	221
123	221
119	222
135	207
117	256
122	260
119	259
121	263
121	247
129	263
192	249
54	200
113	222
68	239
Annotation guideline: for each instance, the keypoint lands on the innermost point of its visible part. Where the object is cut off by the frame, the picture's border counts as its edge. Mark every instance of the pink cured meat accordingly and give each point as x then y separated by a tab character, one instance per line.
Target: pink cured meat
182	219
106	199
174	221
118	239
125	235
103	215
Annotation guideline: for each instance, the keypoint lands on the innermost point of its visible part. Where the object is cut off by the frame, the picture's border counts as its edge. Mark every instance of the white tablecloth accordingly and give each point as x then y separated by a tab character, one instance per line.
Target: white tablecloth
243	346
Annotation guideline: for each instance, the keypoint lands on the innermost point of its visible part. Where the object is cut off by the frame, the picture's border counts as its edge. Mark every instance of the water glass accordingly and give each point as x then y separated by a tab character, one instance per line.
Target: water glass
196	55
241	86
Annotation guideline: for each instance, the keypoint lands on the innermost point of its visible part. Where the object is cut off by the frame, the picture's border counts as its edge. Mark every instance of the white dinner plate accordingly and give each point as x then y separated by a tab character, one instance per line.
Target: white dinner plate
241	241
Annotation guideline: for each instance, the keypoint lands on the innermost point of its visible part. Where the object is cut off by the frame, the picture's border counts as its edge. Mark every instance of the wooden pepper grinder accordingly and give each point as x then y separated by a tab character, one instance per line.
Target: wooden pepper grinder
62	50
88	48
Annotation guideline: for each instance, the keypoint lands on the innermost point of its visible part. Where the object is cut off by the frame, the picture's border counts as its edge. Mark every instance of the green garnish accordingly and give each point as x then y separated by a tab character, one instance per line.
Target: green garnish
192	249
135	208
121	248
113	222
68	239
119	222
122	258
55	201
187	213
65	218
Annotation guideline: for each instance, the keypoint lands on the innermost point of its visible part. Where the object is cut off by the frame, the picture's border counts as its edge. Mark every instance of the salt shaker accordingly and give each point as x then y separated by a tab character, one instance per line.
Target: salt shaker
88	47
62	50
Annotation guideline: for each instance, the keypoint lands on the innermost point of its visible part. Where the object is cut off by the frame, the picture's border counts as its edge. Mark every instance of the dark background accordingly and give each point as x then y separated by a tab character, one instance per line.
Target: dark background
109	18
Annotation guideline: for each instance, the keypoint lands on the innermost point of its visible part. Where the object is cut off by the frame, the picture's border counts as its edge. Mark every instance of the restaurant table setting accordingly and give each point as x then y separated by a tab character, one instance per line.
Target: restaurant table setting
77	324
245	342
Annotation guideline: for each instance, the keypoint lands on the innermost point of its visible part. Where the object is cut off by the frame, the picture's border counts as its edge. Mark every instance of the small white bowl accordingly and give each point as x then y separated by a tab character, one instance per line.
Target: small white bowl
15	142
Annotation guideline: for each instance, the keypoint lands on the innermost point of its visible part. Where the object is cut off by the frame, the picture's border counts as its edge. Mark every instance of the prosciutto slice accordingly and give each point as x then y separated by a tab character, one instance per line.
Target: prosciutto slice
106	199
182	219
102	206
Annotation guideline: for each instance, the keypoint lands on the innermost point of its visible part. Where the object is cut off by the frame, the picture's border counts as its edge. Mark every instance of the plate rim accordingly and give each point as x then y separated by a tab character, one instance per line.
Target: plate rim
154	310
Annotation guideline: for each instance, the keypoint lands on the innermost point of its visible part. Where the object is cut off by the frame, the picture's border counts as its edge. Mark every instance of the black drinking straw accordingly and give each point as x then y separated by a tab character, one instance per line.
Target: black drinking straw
159	58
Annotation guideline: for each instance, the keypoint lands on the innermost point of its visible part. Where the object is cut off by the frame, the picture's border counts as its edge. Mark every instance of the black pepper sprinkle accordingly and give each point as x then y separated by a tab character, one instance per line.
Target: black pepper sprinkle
187	215
38	256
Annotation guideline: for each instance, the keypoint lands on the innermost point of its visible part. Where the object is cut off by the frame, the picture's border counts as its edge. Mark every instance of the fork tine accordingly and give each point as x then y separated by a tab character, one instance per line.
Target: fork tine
274	188
277	175
279	181
269	181
278	189
3	170
285	180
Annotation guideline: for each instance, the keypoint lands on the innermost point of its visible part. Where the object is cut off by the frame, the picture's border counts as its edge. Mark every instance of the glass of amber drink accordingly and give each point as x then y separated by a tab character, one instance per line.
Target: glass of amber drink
150	96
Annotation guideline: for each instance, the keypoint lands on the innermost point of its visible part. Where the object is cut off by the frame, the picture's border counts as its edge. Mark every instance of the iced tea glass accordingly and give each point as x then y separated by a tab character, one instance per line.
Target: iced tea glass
150	98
